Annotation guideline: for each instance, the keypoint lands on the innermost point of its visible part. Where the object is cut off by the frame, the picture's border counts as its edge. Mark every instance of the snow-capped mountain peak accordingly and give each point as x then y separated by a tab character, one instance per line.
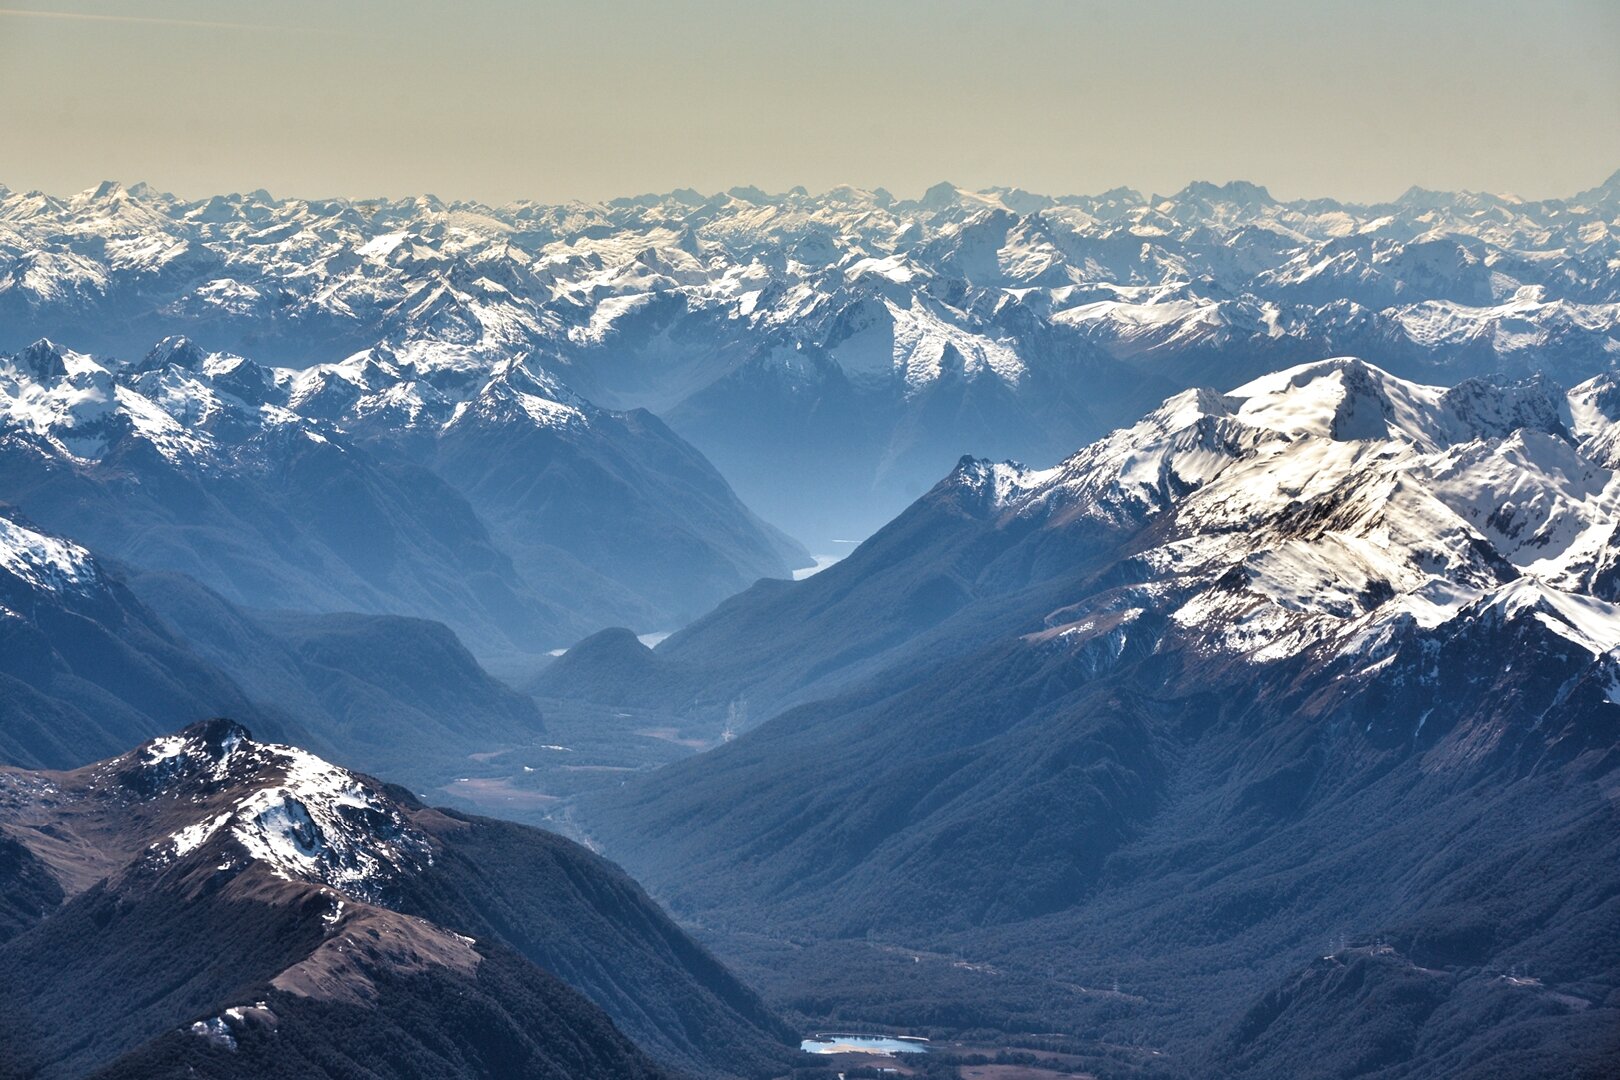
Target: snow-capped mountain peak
279	807
79	408
1318	503
514	391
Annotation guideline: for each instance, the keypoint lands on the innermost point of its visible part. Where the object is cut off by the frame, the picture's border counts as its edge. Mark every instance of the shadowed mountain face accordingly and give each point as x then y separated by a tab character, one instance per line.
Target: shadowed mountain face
246	909
97	656
833	353
497	503
389	694
1321	666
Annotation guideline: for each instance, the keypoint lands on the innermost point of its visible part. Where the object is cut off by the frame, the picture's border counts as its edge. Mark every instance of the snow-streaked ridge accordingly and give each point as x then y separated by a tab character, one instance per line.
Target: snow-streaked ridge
203	411
45	562
1314	505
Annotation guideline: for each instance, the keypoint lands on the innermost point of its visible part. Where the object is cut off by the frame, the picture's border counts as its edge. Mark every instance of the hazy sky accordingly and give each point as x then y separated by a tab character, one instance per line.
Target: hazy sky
497	99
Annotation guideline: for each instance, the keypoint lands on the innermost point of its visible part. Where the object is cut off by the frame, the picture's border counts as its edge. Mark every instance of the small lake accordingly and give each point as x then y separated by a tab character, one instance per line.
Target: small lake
839	1043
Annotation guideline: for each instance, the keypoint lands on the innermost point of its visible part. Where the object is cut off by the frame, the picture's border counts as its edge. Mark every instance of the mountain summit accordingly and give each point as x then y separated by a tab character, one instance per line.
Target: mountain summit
1333	501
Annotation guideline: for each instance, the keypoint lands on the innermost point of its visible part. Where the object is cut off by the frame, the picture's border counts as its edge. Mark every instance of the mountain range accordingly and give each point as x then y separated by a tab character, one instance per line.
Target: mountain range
1154	636
1290	708
831	353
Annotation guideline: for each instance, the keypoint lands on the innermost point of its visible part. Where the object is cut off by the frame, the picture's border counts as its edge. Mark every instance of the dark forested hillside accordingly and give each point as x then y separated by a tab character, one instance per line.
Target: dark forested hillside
100	654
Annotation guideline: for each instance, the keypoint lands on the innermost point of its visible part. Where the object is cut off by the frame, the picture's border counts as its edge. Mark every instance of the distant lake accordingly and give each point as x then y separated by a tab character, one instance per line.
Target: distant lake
836	1043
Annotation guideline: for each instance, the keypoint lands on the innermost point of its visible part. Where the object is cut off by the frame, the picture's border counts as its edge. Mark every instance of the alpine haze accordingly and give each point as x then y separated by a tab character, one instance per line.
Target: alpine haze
783	627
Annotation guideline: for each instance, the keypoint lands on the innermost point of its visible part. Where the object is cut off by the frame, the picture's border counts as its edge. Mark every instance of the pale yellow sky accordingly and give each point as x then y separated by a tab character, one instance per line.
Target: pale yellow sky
494	99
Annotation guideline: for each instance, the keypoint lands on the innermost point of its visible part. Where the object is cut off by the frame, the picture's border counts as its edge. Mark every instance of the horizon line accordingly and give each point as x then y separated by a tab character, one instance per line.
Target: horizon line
801	191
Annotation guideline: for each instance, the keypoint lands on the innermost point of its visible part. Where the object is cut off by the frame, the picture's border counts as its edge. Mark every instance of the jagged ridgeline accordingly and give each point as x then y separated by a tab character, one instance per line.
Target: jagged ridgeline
831	353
